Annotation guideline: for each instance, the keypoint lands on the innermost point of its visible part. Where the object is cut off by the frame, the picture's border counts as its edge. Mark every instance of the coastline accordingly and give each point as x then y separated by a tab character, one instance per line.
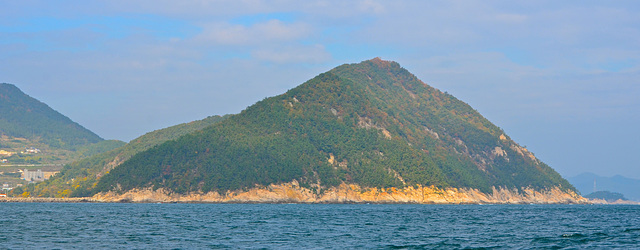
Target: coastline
47	200
92	200
292	193
343	194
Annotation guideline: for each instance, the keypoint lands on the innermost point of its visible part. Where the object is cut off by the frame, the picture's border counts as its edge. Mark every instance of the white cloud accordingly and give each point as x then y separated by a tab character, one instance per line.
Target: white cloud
260	33
371	6
511	18
222	9
275	30
298	54
223	33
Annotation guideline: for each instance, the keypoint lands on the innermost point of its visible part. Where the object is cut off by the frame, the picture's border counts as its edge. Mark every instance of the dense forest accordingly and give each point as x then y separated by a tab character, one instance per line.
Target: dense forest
373	124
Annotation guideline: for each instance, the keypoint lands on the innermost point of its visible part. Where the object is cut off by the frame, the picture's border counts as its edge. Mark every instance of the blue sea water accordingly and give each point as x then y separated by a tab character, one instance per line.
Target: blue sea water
304	226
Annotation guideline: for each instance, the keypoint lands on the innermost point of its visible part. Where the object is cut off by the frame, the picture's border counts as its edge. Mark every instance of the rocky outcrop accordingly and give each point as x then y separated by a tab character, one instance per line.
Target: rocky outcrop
616	202
292	192
45	200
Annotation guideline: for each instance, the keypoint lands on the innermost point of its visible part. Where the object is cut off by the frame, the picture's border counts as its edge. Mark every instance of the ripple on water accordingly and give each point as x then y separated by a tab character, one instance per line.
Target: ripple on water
55	225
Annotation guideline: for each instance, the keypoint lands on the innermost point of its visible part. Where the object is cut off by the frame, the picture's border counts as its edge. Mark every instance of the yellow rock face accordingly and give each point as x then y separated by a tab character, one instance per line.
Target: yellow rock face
292	192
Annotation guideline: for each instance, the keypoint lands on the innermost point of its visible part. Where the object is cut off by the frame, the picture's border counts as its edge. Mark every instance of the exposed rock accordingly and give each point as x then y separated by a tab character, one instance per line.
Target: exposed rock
503	138
366	122
462	144
332	159
524	152
397	176
344	164
432	133
617	202
111	165
292	192
498	151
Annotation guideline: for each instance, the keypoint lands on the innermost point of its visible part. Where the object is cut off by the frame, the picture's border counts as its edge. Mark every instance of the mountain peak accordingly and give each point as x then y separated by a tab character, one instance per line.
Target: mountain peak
378	61
372	123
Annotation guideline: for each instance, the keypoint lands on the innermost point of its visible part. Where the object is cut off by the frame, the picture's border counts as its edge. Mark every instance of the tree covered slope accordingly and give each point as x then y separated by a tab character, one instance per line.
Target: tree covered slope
373	124
22	116
78	178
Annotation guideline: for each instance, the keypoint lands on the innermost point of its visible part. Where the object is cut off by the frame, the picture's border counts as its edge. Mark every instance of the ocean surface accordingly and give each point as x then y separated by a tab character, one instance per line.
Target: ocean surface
303	226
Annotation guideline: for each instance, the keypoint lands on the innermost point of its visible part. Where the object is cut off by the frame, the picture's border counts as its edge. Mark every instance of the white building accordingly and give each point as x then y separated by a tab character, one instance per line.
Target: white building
30	176
31	150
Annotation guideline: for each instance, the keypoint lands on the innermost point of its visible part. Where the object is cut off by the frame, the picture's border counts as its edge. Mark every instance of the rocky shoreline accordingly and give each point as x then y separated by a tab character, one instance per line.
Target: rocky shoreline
343	194
293	193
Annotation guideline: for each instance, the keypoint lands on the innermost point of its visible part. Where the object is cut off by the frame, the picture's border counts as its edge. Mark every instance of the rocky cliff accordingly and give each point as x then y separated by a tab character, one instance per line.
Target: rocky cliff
293	193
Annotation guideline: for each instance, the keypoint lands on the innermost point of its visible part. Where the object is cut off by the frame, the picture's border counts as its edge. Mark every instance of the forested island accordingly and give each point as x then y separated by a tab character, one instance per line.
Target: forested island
358	128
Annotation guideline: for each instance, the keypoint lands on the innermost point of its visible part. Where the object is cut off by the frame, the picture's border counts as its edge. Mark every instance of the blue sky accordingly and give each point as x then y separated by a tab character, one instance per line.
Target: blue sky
560	77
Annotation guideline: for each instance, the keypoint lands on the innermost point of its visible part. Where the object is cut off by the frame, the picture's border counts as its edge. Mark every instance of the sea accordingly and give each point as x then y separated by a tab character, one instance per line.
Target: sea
316	226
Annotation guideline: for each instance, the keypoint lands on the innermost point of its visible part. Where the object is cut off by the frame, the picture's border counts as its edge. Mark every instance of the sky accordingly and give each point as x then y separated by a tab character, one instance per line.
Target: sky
559	77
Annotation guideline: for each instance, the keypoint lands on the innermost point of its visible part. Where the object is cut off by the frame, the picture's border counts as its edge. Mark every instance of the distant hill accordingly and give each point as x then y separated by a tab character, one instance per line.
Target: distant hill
629	187
25	117
373	124
606	195
77	178
33	133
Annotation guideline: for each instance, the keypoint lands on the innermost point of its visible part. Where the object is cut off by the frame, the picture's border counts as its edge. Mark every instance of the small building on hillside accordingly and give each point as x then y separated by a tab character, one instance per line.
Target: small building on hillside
31	150
33	176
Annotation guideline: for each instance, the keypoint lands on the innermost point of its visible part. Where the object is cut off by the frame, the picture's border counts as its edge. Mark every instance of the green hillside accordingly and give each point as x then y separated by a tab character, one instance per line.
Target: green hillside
373	124
25	117
77	178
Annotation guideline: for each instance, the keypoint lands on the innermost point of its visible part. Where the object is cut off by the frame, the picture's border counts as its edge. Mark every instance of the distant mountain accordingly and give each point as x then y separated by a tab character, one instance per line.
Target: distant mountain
22	116
371	124
629	187
76	179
